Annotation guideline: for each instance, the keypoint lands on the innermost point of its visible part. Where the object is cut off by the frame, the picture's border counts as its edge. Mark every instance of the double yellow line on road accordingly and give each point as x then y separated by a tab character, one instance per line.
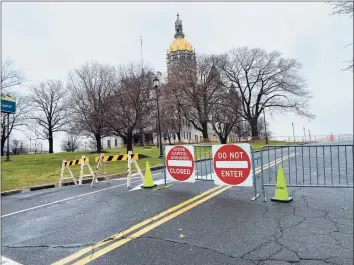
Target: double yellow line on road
214	191
149	224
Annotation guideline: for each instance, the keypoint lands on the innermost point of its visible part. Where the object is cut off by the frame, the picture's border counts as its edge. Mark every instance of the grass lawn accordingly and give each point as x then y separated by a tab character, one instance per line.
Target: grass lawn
36	169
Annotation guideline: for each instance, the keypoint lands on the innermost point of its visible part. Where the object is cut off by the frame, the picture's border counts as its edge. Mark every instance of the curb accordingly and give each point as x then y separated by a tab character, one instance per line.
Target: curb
84	181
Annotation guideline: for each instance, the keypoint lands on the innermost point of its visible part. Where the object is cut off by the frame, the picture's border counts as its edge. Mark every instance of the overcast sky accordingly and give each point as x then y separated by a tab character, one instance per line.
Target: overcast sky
46	40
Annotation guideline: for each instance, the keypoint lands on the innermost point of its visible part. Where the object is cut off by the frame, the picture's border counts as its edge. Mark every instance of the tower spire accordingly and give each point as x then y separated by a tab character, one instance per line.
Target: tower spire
179	28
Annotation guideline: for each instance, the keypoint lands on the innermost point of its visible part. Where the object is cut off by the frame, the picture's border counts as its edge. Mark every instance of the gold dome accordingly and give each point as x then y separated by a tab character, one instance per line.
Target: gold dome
180	44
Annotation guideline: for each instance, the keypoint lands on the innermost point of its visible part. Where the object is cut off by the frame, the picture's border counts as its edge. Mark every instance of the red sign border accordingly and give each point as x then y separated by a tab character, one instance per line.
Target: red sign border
247	148
169	148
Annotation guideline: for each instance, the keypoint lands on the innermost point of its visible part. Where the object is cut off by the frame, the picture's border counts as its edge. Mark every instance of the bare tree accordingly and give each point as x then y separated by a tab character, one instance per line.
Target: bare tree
10	77
91	89
18	147
133	102
266	81
226	114
241	129
171	113
196	86
71	142
48	110
17	121
344	8
92	144
264	129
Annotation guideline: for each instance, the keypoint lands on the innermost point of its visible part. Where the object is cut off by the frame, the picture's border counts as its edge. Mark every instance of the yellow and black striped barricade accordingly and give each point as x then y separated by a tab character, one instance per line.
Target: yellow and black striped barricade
102	160
83	161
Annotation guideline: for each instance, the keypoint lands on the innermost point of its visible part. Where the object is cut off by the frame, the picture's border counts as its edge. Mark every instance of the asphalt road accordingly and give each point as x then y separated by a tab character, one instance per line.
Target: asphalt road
46	226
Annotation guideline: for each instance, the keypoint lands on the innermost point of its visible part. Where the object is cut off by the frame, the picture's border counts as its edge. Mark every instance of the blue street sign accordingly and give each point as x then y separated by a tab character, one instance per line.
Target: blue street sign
8	104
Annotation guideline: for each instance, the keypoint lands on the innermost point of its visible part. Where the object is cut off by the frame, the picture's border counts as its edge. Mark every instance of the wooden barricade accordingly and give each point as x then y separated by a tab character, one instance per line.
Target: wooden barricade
83	161
131	158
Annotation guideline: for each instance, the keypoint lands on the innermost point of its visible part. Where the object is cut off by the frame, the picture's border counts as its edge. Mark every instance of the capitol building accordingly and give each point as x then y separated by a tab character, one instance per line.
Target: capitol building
179	49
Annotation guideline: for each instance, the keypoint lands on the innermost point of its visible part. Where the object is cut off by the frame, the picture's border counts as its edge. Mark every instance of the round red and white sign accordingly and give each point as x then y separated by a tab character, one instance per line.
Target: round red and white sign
232	164
180	162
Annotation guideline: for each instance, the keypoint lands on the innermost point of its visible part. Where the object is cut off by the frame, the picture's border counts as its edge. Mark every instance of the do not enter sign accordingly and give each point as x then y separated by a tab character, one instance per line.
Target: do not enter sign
180	163
232	164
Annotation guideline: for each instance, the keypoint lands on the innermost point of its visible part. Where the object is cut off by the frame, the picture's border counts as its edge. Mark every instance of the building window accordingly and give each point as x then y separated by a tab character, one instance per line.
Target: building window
190	135
109	143
115	142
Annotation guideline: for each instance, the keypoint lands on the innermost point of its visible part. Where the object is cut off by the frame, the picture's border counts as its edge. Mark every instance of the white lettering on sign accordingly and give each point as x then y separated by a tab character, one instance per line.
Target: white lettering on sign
231	174
222	155
179	154
236	155
182	171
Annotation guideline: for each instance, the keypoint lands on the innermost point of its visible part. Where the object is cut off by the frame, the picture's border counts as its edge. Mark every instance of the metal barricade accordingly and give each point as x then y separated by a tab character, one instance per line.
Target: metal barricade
325	165
203	158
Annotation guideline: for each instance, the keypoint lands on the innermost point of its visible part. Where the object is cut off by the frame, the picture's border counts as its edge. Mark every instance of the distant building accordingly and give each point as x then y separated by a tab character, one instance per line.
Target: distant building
180	49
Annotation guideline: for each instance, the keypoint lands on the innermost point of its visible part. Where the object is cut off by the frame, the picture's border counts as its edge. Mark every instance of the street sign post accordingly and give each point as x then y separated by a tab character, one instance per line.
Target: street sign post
180	163
232	165
8	104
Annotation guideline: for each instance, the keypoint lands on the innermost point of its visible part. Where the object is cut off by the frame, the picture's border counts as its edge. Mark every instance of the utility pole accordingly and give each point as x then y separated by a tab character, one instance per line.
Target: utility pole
8	138
309	135
304	135
293	131
265	126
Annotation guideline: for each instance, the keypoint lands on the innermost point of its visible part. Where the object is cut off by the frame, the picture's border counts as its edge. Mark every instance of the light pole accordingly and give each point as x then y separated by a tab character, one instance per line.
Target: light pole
156	82
8	138
293	131
304	135
310	135
265	126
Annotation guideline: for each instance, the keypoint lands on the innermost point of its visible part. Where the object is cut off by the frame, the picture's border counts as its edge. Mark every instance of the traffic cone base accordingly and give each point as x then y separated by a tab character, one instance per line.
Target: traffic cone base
289	199
146	187
148	181
281	191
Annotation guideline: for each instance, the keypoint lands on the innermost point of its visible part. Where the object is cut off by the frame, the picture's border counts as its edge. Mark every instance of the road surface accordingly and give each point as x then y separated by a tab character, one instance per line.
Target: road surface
221	227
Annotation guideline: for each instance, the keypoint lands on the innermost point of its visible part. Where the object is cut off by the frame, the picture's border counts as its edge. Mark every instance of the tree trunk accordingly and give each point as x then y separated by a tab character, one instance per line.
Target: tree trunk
223	140
141	137
129	142
205	132
3	141
169	139
98	143
254	129
50	141
179	136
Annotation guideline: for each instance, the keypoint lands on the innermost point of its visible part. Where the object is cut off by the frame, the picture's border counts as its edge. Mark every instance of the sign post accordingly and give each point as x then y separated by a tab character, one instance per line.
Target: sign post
232	165
8	105
180	163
